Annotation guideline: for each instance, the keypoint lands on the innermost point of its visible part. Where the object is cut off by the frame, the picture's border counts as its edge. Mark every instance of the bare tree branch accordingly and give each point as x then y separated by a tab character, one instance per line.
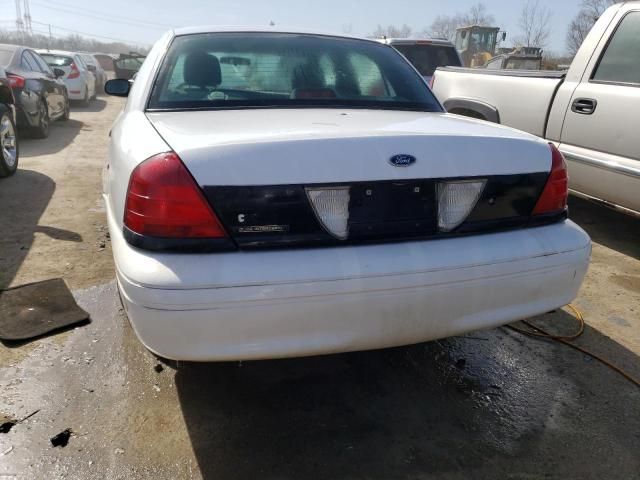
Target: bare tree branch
391	31
444	26
584	20
478	15
71	42
534	24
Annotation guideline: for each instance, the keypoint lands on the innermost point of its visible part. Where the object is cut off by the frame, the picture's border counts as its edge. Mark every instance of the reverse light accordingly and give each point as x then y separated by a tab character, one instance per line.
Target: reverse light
556	191
331	206
75	73
163	200
455	202
16	81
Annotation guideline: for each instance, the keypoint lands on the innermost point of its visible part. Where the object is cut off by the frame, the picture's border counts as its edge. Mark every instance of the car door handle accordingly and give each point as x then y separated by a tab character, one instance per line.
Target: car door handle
584	106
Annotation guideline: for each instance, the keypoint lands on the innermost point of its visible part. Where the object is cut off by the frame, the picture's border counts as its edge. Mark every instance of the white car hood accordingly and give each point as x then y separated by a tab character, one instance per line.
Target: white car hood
283	146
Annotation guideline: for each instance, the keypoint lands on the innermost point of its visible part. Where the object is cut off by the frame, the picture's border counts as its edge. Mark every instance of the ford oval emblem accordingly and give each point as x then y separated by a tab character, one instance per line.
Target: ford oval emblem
402	160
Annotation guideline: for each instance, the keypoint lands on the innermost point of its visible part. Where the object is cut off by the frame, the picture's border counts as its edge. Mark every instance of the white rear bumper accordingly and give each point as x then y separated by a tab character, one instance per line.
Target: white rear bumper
284	303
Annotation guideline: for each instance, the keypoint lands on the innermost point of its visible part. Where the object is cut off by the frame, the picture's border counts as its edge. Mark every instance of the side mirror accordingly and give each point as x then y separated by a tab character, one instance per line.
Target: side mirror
117	87
91	68
58	72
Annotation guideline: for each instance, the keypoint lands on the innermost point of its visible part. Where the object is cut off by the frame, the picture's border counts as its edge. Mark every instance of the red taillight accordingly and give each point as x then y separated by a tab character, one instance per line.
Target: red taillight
556	191
75	73
163	200
16	81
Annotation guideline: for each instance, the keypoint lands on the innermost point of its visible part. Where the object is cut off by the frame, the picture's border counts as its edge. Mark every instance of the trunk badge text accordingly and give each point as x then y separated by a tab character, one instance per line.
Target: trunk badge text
402	160
264	229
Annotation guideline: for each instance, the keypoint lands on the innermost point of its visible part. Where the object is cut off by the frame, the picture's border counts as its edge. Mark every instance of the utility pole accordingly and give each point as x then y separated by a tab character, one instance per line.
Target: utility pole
27	17
50	40
19	22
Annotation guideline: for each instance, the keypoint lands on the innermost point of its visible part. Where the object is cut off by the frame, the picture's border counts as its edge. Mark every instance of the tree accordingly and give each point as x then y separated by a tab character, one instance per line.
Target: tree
580	26
391	31
534	24
71	42
478	15
444	26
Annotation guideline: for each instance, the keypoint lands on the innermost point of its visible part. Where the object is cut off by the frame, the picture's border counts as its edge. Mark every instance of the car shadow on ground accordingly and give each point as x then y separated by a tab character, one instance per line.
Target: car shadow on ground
493	404
606	226
95	106
24	197
61	135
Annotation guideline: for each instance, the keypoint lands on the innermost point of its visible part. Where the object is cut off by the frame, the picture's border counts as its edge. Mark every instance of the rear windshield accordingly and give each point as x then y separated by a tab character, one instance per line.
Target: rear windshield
6	56
426	58
240	70
57	60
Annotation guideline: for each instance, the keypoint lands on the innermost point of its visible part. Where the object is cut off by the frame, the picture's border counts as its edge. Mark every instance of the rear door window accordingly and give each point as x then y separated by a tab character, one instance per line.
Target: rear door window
619	63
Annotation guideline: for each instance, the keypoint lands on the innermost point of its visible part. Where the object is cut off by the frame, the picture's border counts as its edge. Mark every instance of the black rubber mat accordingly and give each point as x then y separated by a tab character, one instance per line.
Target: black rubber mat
32	310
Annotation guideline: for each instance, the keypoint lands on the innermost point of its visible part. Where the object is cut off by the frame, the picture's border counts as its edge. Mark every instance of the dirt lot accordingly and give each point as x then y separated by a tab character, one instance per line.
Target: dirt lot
492	404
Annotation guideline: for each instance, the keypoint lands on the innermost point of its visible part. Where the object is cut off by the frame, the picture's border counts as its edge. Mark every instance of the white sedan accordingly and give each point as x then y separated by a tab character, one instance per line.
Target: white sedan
278	194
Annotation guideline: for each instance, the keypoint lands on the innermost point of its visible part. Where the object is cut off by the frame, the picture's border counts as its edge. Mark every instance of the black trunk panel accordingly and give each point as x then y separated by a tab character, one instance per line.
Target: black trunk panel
281	215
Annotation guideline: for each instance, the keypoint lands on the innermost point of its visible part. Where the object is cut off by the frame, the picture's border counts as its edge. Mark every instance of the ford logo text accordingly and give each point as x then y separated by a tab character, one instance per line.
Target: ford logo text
402	160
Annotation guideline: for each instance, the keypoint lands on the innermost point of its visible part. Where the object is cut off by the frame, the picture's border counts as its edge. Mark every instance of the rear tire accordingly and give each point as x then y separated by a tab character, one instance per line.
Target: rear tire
9	152
67	110
42	129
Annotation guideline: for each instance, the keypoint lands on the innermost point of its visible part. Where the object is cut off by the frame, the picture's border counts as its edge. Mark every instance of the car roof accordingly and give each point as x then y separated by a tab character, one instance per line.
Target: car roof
260	29
56	52
9	47
416	41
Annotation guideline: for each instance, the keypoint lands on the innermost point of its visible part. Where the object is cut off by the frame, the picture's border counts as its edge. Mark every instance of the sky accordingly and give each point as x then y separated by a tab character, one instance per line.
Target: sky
143	21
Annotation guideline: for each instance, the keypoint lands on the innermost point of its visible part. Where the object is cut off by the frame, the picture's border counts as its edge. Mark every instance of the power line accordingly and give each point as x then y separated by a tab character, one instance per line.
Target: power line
100	15
90	34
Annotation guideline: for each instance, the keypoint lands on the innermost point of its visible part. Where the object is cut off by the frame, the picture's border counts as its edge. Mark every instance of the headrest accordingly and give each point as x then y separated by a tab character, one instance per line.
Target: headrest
202	70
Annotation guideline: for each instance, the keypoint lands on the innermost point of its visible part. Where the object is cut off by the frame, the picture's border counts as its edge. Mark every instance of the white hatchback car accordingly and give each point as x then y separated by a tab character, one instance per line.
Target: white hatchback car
80	81
277	194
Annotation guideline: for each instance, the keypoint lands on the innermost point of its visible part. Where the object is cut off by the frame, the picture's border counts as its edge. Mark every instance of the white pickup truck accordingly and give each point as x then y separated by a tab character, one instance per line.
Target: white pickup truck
591	112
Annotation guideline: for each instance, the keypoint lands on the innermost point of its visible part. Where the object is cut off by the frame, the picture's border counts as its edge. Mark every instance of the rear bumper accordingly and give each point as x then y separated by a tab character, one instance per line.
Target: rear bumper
330	300
76	88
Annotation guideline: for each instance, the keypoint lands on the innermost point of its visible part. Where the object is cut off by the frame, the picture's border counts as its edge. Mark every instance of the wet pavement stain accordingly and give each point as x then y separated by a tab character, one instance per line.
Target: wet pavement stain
488	405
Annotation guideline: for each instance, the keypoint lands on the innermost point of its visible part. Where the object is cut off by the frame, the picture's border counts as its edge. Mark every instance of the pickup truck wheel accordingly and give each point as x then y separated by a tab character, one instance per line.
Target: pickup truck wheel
42	129
8	144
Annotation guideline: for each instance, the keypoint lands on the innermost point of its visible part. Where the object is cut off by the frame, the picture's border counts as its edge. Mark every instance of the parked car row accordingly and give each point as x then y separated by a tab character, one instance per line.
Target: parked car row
35	89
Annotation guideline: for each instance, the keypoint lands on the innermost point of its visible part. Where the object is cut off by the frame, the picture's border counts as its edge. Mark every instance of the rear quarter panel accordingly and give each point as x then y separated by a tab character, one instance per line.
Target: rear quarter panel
522	102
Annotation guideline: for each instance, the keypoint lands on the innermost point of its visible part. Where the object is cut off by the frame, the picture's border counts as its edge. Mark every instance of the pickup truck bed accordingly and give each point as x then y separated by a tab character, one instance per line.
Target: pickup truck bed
590	112
464	90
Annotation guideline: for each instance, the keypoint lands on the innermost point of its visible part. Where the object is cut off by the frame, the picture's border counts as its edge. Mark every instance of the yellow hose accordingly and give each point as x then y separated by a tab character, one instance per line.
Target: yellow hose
566	339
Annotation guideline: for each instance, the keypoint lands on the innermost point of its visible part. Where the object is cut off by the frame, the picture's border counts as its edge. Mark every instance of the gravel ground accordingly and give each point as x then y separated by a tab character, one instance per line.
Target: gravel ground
492	404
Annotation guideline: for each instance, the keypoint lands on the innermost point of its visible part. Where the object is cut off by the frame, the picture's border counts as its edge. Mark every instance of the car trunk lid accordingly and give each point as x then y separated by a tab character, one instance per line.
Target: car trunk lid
259	170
